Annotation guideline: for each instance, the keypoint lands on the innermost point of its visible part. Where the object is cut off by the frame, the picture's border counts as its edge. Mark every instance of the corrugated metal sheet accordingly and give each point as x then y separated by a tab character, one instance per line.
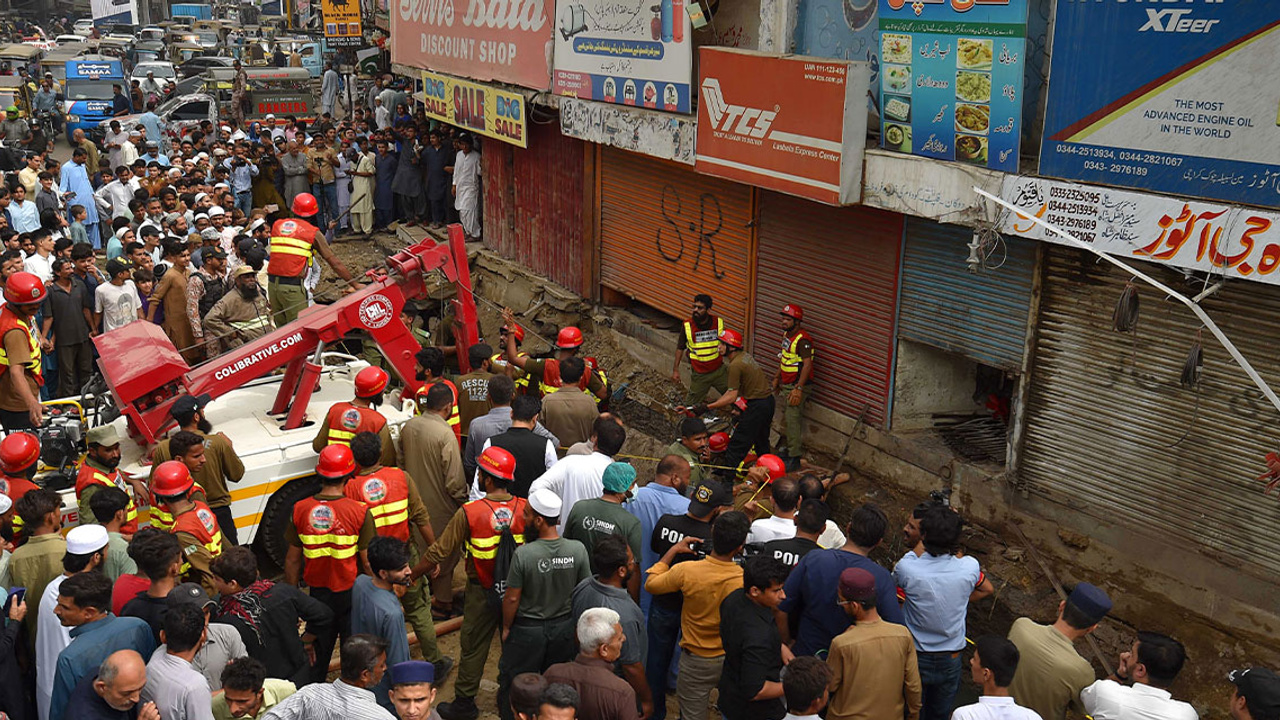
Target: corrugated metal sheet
982	315
533	203
1106	412
841	266
668	233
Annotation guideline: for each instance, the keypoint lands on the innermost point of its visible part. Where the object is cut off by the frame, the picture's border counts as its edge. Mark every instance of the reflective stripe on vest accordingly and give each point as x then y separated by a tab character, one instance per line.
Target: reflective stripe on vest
90	475
345	421
329	532
390	513
703	346
328	545
485	522
790	360
291	246
386	493
196	522
9	320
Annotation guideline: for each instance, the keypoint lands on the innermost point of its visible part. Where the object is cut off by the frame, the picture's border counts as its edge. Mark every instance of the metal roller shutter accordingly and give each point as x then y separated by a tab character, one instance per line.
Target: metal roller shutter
533	204
841	266
668	233
1106	410
982	315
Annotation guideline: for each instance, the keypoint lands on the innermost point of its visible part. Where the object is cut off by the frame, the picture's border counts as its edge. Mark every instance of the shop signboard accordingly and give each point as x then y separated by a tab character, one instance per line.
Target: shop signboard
951	78
342	23
503	40
1178	98
481	109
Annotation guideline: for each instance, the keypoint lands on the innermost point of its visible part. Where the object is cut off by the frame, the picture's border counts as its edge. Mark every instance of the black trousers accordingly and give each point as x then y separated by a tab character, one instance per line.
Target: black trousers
751	433
340	604
227	524
13	420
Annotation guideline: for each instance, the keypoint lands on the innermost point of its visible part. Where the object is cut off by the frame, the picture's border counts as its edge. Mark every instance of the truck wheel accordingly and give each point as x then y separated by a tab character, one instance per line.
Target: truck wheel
275	520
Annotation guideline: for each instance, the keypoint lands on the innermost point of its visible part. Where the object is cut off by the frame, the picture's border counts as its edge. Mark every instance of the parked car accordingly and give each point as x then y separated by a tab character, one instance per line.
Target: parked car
198	65
83	27
63	40
165	73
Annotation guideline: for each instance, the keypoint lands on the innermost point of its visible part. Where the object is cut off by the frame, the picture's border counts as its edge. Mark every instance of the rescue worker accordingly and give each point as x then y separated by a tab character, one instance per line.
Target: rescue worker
213	461
544	374
692	446
194	523
345	419
242	314
795	370
478	526
499	360
328	534
101	469
293	243
19	452
20	366
429	368
700	341
473	388
597	373
395	505
747	381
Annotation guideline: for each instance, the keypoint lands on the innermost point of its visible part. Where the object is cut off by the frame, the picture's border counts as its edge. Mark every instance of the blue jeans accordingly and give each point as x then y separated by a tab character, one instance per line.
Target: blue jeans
940	677
664	634
244	201
327	196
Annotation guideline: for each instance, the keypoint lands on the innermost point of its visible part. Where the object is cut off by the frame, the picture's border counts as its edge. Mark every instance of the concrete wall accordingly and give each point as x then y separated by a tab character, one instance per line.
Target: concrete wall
927	381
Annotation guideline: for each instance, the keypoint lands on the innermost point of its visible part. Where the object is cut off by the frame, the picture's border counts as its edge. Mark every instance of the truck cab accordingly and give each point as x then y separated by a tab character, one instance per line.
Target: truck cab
87	91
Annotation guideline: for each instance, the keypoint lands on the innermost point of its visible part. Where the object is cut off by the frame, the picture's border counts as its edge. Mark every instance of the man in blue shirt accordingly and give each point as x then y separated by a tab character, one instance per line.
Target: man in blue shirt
151	122
375	604
811	588
243	171
663	496
84	605
75	179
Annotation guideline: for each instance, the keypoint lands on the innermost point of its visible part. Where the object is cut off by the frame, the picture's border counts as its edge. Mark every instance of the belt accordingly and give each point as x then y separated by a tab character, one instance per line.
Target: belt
528	621
285	280
948	653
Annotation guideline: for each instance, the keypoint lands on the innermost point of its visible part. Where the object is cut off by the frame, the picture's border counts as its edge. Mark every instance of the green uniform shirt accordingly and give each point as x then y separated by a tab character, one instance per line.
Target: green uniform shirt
546	572
747	378
221	464
594	518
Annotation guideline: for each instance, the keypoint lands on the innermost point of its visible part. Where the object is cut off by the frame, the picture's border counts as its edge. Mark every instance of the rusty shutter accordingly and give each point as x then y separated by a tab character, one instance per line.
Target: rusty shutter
1107	416
533	204
668	233
841	266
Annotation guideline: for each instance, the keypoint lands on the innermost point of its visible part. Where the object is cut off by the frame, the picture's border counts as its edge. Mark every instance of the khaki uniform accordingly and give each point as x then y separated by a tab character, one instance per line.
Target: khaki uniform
434	462
236	321
221	464
473	397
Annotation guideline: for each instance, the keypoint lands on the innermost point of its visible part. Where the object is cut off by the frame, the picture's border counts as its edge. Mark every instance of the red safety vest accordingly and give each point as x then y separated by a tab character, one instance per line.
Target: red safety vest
291	247
789	361
9	320
200	523
15	488
386	494
420	404
486	519
90	475
329	530
551	381
345	421
703	346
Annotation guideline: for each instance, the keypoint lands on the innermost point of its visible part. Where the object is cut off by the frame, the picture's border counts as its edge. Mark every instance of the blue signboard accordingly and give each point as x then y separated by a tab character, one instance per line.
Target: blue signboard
951	77
1178	98
841	30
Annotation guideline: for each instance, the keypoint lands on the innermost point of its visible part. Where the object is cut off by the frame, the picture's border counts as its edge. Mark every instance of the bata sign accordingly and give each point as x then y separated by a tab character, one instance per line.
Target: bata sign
792	124
504	40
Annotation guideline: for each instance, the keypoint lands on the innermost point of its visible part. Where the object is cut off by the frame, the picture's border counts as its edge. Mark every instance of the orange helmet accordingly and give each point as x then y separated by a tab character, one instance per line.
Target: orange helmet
732	338
718	442
793	311
24	288
171	478
371	381
19	451
304	205
569	338
773	464
497	462
336	462
519	332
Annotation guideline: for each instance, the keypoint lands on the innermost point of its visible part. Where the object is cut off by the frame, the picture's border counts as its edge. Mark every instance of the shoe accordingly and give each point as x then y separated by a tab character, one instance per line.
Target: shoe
443	667
411	223
462	708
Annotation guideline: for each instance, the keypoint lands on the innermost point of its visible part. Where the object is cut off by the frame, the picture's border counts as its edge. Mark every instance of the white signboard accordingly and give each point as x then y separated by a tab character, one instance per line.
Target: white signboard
121	11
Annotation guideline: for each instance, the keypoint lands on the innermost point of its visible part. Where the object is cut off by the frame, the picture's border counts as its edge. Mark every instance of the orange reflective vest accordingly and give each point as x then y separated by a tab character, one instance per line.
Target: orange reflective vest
15	488
161	518
551	381
292	241
703	346
200	523
90	475
386	493
345	421
789	360
329	530
9	320
420	404
486	519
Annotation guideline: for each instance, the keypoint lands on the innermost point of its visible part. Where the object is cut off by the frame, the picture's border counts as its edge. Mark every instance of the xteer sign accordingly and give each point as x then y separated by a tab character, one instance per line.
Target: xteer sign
504	40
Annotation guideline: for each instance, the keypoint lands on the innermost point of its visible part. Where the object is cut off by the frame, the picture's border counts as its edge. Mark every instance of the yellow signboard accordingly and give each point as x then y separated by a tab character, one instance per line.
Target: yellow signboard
342	22
481	109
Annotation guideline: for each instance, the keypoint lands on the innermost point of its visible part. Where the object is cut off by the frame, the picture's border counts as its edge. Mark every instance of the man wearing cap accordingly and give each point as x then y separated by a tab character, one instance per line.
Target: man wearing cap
1139	687
194	524
241	315
101	469
86	552
1051	673
873	662
413	689
205	287
595	518
795	370
347	419
1256	695
220	463
222	642
693	447
537	610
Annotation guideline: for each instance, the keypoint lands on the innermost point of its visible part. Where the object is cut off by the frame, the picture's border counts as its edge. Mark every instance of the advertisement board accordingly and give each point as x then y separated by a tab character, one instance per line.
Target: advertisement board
114	11
951	77
1180	99
797	125
630	52
482	109
507	41
840	30
342	23
1224	240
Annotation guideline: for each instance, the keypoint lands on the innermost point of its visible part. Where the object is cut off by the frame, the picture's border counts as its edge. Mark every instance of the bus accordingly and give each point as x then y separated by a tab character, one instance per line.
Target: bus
88	94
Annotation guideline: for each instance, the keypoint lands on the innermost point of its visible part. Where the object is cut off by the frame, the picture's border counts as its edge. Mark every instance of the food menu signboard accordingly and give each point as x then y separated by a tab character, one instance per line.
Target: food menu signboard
951	74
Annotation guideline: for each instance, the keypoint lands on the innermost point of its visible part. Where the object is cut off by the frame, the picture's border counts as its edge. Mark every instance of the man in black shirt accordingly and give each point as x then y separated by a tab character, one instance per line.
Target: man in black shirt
664	613
751	682
158	556
112	693
531	450
811	520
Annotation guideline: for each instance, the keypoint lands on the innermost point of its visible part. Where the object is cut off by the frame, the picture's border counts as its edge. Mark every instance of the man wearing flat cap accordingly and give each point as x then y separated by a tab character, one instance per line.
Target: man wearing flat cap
101	469
1051	673
873	663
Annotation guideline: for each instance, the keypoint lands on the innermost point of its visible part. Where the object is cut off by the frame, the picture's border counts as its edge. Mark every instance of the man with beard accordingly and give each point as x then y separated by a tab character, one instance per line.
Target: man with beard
345	420
375	604
221	465
241	315
100	470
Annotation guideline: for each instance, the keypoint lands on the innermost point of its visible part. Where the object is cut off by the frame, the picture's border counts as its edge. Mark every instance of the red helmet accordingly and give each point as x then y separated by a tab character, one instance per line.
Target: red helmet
718	442
304	205
732	338
591	363
19	451
24	288
336	462
171	478
371	381
497	462
519	332
569	338
793	311
773	464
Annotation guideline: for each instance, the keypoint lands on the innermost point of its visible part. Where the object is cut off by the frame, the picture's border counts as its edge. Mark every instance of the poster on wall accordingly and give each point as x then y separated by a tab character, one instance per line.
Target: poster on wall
342	23
503	41
1196	110
116	11
629	52
482	109
951	77
840	30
